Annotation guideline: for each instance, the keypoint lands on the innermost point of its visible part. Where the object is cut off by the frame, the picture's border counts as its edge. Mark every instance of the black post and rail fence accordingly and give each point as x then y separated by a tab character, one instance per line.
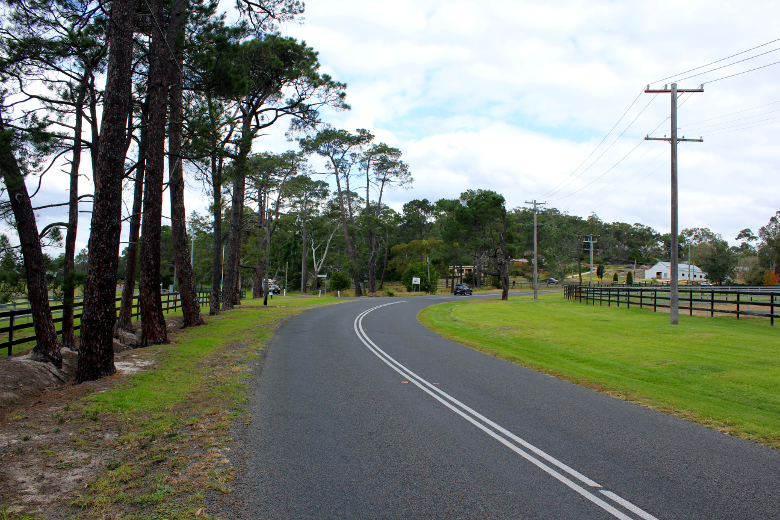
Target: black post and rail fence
756	302
12	319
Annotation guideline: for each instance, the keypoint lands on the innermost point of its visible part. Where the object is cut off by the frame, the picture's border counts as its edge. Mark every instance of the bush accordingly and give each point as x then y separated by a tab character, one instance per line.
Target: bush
338	282
630	278
418	270
388	292
615	277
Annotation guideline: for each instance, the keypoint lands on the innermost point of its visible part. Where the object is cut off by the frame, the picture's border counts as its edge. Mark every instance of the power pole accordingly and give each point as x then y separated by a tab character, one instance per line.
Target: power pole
675	92
535	204
590	242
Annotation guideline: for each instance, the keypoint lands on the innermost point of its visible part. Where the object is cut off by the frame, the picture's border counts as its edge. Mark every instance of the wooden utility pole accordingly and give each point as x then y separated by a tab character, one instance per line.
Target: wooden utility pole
535	204
590	241
673	282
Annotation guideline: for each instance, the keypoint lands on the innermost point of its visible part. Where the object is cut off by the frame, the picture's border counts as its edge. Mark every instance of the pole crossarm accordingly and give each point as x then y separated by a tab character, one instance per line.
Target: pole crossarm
665	90
669	139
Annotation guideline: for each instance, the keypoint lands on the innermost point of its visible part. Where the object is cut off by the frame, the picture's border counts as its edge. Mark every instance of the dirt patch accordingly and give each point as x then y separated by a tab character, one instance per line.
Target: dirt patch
50	447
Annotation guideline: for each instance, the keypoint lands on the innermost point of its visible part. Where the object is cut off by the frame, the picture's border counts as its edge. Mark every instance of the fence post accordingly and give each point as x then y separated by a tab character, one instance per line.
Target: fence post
628	298
655	300
772	310
11	335
690	300
737	305
712	304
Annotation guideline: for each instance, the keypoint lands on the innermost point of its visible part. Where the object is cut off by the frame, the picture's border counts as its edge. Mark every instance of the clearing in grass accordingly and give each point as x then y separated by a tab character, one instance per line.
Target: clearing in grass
719	372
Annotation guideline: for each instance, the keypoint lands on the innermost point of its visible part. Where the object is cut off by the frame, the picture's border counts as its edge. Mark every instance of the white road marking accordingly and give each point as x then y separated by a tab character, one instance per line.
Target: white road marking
483	422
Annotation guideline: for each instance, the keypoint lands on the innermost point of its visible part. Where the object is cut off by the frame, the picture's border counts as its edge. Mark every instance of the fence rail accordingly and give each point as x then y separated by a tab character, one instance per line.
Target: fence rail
760	301
170	302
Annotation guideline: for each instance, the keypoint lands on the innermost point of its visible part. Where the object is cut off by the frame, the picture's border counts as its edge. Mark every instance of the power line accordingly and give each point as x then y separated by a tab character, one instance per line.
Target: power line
745	128
597	146
734	113
743	72
687	129
716	61
602	154
728	65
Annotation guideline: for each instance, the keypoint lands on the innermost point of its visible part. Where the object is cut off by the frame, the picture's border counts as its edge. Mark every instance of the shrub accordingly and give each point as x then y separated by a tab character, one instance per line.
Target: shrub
615	277
630	278
338	282
418	270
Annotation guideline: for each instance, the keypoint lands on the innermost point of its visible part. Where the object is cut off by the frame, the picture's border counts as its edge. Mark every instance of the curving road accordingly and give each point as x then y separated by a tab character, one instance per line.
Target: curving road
361	412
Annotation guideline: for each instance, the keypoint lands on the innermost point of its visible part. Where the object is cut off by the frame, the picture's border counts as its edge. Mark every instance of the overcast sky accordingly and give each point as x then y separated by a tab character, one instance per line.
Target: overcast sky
514	96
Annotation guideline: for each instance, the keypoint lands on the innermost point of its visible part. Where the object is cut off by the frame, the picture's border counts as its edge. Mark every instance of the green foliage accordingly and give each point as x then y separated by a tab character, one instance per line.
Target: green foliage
339	281
717	261
630	278
615	277
418	270
600	271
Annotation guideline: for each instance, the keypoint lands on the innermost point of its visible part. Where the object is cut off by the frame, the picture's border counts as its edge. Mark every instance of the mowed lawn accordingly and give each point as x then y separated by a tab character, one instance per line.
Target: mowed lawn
718	372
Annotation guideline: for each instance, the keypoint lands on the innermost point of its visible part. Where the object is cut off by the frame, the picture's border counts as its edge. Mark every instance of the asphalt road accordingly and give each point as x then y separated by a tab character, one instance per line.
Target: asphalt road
361	412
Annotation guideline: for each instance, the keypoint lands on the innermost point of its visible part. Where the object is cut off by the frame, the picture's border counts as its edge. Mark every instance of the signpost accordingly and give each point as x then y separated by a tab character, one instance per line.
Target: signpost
415	281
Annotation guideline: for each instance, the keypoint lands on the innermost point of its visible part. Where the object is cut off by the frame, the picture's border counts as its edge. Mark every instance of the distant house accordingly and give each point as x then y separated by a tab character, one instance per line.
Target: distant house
662	271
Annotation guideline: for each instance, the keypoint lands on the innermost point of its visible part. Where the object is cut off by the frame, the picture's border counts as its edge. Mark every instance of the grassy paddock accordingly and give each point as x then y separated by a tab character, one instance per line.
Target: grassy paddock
172	422
719	372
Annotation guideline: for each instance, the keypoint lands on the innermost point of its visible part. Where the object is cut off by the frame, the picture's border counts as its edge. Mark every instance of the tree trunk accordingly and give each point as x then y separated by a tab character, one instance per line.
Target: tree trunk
257	283
69	285
189	298
125	320
304	259
387	257
96	349
47	348
216	258
153	330
267	260
236	214
237	286
350	250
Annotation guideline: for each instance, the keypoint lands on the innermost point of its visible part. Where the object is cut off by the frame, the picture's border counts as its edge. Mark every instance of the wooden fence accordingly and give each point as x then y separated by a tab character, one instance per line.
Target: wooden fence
760	302
13	318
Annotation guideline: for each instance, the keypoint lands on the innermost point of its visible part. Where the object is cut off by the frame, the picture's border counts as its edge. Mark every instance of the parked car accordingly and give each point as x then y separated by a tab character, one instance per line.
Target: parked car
275	289
463	289
549	280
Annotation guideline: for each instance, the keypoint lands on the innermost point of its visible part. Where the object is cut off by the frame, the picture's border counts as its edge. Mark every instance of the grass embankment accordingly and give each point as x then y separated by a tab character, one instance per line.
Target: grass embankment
164	432
719	372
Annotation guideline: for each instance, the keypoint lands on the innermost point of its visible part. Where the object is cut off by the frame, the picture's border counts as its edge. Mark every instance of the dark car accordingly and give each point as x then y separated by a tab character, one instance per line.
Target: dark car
549	280
462	289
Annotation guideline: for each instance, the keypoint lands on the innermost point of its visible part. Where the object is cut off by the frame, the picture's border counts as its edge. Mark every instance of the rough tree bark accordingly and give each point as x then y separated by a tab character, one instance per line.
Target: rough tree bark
96	350
47	349
189	298
304	258
216	262
236	216
153	330
69	285
125	320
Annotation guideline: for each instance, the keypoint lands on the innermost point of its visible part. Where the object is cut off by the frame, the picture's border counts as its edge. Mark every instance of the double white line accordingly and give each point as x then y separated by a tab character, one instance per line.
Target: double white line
531	453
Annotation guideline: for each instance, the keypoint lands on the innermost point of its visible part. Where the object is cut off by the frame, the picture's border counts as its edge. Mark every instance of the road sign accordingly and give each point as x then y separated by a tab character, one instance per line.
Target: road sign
415	281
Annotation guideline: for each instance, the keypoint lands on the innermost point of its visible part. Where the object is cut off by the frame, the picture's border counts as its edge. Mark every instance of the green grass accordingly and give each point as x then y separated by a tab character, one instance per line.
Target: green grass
718	372
173	421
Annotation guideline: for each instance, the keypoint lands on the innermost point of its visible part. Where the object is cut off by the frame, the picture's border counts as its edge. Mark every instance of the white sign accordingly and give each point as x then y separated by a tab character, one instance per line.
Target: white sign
415	281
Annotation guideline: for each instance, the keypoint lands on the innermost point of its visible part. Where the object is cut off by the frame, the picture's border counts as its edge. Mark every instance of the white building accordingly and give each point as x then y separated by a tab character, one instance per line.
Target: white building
662	271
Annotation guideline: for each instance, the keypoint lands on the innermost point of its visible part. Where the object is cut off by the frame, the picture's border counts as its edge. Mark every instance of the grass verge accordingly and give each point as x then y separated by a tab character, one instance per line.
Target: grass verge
718	372
154	443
